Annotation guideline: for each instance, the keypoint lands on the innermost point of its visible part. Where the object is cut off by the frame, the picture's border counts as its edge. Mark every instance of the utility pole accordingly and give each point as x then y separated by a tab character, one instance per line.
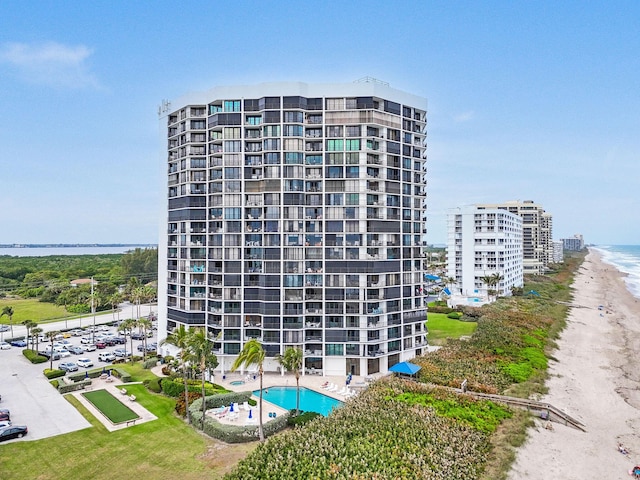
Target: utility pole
93	311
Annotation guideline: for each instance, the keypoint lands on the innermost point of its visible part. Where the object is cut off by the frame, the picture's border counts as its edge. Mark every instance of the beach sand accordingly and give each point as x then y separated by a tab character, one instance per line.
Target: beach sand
596	379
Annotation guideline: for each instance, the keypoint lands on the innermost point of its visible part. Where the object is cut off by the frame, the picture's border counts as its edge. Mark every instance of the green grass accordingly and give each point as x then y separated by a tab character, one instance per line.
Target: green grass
32	309
441	328
165	448
138	374
110	406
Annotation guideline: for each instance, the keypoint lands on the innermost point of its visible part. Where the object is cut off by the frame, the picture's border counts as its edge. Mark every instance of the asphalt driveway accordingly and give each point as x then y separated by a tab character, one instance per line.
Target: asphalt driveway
32	400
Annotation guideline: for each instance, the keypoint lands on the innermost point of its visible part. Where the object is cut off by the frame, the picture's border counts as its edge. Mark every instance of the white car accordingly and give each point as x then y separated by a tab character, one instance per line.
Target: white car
106	357
5	346
76	332
90	348
86	340
84	362
64	352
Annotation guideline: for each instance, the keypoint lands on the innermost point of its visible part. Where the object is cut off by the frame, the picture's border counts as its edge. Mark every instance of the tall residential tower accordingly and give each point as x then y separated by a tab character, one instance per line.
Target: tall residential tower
295	215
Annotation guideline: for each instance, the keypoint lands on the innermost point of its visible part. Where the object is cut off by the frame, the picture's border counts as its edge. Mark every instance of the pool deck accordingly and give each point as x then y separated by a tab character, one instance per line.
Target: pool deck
312	382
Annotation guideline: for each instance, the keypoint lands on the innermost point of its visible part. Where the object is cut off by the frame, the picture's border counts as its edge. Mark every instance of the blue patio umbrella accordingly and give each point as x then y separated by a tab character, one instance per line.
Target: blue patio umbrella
250	413
86	374
231	409
405	368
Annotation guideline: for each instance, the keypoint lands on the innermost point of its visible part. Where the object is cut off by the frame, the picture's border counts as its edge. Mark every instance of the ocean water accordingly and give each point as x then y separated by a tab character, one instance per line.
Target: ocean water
625	258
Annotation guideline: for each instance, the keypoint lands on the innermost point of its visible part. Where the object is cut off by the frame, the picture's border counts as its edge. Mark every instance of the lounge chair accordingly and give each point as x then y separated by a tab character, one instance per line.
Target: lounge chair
332	388
343	391
222	413
245	406
236	407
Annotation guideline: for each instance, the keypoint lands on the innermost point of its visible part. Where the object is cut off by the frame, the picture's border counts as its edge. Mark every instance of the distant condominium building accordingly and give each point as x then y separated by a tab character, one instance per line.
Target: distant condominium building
575	243
481	243
295	215
537	233
558	251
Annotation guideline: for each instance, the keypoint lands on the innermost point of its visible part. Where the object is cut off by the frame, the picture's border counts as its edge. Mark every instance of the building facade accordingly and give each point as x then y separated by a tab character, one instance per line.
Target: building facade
482	242
558	251
294	216
574	244
537	233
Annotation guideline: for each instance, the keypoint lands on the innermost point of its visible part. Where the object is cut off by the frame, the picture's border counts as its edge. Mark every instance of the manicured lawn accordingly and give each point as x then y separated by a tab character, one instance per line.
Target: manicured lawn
165	448
440	328
110	406
138	374
32	309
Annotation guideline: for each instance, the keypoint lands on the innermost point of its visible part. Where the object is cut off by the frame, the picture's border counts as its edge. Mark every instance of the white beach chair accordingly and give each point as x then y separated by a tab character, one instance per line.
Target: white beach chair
332	388
236	407
245	406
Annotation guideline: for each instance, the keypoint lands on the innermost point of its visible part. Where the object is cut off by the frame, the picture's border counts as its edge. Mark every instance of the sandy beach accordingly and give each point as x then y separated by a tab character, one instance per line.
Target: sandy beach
595	379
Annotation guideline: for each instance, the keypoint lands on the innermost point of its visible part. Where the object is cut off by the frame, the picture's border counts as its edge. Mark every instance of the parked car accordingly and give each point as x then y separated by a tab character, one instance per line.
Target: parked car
137	335
5	414
47	353
101	345
85	340
5	423
110	342
76	332
68	366
77	350
121	352
19	342
120	340
85	362
64	353
14	431
5	346
4	328
90	348
106	357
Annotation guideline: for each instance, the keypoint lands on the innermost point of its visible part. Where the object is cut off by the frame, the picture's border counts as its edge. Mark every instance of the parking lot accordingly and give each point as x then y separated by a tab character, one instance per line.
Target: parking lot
32	400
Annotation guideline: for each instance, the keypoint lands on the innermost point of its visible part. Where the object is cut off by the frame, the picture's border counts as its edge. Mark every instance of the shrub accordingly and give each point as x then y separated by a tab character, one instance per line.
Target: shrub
33	356
121	374
55	383
454	315
150	363
55	373
181	403
154	385
302	419
437	309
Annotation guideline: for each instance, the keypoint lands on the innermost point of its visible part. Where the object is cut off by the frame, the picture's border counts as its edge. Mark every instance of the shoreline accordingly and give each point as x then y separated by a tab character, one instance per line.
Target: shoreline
594	377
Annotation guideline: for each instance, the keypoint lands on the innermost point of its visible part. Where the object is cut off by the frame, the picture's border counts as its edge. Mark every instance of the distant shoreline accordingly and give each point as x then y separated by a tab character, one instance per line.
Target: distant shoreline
76	245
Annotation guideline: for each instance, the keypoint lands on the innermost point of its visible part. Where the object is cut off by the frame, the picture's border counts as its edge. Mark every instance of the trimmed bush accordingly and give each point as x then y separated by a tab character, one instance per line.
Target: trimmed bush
72	387
121	374
302	419
33	356
439	310
55	373
150	363
154	385
454	315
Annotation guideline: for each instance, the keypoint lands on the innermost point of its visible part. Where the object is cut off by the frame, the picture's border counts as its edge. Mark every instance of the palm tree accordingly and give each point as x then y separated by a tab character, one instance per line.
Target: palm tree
8	311
127	327
201	348
35	335
180	338
51	336
93	300
488	281
144	324
115	299
497	278
292	362
253	354
28	324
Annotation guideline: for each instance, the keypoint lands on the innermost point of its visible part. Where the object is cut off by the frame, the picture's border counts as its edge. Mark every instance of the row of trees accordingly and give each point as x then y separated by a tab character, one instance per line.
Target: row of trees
197	351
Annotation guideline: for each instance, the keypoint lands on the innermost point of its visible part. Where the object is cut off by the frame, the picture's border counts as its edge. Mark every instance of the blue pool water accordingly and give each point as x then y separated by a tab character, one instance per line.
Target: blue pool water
310	400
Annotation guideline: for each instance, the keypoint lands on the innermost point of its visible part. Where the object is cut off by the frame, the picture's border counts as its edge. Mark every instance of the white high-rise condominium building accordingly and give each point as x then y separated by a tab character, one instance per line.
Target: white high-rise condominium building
294	216
537	233
482	242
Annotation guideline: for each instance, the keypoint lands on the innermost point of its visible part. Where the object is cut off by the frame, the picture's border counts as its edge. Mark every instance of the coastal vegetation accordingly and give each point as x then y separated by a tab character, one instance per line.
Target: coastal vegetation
396	428
43	288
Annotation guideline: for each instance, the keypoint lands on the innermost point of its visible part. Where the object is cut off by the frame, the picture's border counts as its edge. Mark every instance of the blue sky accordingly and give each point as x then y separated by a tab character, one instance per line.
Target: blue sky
527	100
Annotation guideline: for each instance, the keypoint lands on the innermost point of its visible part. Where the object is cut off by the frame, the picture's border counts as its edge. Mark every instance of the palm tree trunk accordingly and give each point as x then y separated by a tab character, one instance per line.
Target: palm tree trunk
186	393
260	431
204	406
297	394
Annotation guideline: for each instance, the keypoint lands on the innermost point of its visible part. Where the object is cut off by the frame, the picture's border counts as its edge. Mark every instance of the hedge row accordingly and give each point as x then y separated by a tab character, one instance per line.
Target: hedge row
55	373
33	356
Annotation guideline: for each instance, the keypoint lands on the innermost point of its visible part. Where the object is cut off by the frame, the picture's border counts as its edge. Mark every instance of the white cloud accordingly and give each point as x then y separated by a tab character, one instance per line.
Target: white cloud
50	64
464	116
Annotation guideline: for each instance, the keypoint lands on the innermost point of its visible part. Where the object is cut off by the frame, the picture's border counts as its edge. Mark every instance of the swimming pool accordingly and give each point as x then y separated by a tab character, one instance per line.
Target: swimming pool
310	400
